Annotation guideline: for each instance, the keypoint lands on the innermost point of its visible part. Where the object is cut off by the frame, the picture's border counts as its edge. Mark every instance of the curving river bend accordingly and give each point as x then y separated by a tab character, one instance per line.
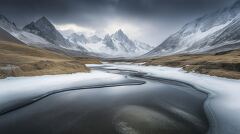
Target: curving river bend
140	104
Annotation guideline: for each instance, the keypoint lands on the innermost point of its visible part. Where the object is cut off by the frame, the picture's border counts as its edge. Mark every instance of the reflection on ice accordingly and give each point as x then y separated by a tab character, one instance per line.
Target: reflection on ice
223	103
16	92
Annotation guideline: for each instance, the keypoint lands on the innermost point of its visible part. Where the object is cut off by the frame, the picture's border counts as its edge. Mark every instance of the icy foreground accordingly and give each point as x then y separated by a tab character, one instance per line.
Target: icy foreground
222	106
14	90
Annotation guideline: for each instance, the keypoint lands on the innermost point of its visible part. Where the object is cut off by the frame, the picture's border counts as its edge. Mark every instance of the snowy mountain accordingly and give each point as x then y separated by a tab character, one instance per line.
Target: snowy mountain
7	25
33	39
21	35
94	39
77	39
215	32
5	36
117	44
45	29
43	34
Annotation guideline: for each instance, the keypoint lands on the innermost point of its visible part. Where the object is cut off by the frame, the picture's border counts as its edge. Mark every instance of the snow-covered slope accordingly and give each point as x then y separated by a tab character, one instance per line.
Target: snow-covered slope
218	31
117	45
33	39
77	39
45	29
25	37
94	39
5	36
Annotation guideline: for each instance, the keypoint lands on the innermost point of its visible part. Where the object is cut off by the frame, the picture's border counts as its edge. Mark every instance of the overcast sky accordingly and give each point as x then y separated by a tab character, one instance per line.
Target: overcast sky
150	21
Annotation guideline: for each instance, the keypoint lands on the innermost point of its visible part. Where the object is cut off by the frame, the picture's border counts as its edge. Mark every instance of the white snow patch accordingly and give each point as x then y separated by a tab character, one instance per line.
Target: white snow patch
30	38
15	88
200	35
188	41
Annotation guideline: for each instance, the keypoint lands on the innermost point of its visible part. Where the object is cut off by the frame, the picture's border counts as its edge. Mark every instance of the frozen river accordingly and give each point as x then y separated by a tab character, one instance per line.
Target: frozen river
130	104
121	99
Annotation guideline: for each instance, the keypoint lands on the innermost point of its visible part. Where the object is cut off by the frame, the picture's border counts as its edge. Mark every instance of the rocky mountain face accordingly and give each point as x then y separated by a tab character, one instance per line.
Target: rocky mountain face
108	42
7	25
117	44
94	39
23	36
123	42
215	32
77	39
34	35
45	29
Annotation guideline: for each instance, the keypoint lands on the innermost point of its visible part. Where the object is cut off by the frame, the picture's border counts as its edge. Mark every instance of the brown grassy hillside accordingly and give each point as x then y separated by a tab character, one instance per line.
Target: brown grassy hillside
18	59
224	64
21	60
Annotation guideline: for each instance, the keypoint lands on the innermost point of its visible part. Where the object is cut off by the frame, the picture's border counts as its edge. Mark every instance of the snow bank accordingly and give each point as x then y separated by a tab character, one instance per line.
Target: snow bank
223	103
13	89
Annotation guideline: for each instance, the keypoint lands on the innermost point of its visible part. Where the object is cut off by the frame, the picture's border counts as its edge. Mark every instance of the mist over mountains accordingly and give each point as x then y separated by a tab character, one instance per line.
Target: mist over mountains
43	34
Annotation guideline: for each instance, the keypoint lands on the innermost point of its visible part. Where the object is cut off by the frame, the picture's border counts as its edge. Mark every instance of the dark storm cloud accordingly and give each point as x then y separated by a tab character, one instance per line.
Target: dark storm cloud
128	7
164	14
166	6
131	5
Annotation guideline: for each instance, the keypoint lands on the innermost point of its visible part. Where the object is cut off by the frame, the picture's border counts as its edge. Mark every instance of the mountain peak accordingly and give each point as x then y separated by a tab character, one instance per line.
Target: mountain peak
44	28
6	24
120	35
75	35
43	20
94	39
107	36
120	32
2	17
43	24
75	38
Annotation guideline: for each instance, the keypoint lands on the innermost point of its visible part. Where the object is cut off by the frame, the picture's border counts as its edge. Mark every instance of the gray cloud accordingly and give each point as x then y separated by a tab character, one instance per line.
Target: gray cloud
157	18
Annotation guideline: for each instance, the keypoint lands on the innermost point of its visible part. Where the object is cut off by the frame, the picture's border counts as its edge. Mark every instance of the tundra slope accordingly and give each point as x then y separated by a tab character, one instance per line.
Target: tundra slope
222	64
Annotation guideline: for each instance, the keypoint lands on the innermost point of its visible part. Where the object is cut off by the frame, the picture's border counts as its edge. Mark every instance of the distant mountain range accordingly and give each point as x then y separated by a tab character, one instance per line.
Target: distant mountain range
117	44
215	32
43	34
